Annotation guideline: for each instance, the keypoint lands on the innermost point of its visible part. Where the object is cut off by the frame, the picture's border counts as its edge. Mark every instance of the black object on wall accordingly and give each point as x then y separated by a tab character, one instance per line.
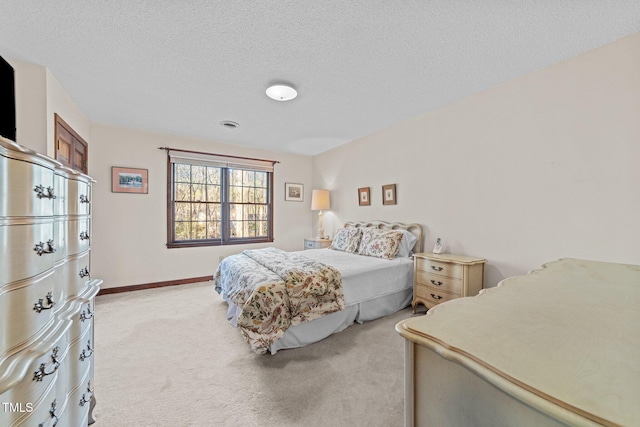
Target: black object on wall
7	101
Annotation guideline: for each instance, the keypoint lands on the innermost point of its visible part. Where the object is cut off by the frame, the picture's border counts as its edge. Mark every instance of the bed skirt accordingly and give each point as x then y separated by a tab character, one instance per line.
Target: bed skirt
315	330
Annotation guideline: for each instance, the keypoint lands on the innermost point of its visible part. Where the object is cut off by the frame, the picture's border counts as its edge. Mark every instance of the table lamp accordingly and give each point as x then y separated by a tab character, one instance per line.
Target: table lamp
320	202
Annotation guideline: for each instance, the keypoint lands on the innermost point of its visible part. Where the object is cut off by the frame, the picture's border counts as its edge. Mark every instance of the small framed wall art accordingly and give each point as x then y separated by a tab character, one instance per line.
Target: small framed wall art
389	194
363	196
293	192
129	180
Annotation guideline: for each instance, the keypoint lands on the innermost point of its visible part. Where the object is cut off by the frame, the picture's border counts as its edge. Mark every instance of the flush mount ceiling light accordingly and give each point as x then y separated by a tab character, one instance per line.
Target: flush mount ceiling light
281	92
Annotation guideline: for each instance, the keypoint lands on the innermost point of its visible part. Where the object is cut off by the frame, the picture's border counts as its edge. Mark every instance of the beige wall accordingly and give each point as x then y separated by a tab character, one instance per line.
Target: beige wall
59	102
31	105
39	96
542	167
129	230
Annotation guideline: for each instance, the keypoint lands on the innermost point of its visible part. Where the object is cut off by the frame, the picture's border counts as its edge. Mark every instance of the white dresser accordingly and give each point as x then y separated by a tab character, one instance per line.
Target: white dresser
46	291
559	346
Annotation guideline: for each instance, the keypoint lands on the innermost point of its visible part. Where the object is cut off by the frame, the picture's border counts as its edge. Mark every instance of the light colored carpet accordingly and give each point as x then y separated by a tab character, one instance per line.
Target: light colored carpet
168	357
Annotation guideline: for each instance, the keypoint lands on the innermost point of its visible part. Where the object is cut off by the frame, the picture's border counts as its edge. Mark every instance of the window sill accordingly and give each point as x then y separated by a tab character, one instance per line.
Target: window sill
197	243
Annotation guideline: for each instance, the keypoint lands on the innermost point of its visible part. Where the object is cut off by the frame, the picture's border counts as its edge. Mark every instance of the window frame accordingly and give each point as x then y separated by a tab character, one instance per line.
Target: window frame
225	213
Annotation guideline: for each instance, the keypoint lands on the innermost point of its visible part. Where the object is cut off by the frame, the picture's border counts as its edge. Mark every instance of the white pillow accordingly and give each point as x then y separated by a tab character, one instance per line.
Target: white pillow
406	244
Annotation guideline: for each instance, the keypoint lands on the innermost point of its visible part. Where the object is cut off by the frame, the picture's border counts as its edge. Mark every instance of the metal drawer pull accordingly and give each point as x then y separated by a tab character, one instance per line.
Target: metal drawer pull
39	189
84	235
84	272
83	400
39	306
87	316
84	199
52	412
438	283
89	350
40	248
42	371
438	297
433	267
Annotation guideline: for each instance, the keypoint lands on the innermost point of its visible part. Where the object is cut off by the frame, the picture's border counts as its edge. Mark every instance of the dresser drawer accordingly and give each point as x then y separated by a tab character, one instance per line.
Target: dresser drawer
60	231
61	184
76	410
26	189
440	268
434	296
26	308
439	283
73	195
27	250
46	411
84	320
79	197
41	411
40	376
71	236
73	274
78	236
80	356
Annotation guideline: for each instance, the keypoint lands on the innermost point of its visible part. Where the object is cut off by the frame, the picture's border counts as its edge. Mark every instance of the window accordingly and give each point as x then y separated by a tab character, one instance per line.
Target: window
218	200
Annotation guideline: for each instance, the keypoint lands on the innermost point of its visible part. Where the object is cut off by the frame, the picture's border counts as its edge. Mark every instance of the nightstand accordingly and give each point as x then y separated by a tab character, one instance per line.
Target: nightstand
315	243
442	277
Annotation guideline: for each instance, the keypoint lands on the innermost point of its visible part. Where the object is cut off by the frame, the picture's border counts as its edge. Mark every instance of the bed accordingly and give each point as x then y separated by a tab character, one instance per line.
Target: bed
370	286
559	346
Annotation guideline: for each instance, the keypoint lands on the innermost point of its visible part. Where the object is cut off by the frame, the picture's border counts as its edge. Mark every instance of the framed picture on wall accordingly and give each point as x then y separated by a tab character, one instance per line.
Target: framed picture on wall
293	192
129	180
363	196
389	194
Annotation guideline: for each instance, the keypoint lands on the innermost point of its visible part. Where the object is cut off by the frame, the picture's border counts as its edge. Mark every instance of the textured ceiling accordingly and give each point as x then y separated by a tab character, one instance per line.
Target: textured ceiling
182	67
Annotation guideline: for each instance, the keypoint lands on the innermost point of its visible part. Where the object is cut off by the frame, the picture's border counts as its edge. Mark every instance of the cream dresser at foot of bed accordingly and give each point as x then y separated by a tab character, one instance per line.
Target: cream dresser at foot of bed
556	347
442	277
46	291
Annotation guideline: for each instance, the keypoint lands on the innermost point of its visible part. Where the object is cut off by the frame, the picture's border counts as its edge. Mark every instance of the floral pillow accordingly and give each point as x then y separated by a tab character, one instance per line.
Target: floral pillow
347	240
380	243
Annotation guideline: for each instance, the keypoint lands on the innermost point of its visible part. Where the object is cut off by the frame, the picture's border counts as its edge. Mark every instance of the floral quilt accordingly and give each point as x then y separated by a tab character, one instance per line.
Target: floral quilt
277	289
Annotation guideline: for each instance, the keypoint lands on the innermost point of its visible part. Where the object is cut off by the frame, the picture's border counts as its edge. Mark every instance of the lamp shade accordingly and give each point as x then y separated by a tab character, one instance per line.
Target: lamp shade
320	200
